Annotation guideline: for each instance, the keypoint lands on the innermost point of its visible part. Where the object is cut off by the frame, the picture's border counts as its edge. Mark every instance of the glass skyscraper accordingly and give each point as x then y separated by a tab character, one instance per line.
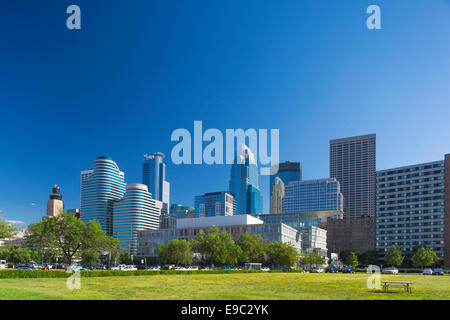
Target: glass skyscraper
244	182
287	171
136	211
154	177
353	164
313	195
100	188
215	204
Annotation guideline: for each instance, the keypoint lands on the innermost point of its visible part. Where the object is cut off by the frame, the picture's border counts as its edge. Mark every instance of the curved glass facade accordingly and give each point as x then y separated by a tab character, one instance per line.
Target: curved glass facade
137	211
100	188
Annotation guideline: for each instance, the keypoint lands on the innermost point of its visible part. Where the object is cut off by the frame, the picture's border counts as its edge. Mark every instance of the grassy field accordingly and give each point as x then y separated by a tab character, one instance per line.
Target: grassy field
226	286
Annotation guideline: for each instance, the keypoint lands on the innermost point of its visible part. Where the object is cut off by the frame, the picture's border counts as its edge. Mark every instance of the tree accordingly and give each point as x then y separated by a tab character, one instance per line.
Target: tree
282	254
253	248
110	247
424	257
176	252
219	247
65	235
309	259
90	257
351	259
16	255
125	258
394	256
368	257
6	230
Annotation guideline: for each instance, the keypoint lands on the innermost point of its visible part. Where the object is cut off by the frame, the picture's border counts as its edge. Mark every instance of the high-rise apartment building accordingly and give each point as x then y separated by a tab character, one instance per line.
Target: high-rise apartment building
154	177
244	182
215	204
101	187
136	211
411	208
55	205
353	164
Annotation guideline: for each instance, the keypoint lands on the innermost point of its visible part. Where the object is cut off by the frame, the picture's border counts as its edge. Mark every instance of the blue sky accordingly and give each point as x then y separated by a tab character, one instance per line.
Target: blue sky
137	70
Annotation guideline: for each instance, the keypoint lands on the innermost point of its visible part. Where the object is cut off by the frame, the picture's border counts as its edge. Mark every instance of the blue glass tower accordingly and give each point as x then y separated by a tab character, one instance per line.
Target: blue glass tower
101	187
154	177
244	182
287	171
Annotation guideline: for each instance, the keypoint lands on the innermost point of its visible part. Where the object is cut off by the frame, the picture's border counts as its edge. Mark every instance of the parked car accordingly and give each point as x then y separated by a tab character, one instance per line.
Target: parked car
153	268
348	269
128	268
190	268
25	268
114	267
390	270
438	272
331	269
141	267
317	270
100	267
265	269
427	272
180	268
206	269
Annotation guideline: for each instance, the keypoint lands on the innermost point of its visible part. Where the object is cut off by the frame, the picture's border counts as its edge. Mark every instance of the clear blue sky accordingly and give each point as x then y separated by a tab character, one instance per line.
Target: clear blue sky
140	69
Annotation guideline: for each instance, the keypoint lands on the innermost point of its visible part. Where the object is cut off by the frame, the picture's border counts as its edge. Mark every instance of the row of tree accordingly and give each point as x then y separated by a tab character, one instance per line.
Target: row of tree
219	249
421	257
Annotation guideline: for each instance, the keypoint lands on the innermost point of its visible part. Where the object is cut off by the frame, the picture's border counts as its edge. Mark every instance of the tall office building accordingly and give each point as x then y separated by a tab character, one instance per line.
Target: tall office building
286	171
154	177
215	204
100	188
55	205
136	211
277	195
411	208
244	182
353	164
313	195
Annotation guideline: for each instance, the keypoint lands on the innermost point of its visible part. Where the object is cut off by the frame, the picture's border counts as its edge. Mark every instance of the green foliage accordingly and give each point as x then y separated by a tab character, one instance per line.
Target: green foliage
424	257
175	252
6	231
125	258
253	248
16	255
351	259
309	259
90	257
282	254
368	258
64	236
218	246
394	256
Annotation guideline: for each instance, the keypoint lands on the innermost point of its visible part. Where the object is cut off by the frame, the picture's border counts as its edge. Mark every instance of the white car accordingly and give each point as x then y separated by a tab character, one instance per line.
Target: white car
153	268
265	269
127	268
391	270
114	267
317	270
206	269
192	268
427	272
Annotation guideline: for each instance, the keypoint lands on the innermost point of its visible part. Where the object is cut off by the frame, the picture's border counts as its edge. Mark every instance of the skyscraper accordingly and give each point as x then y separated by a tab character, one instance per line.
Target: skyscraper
244	182
353	164
215	204
287	171
100	188
136	211
277	195
154	177
55	204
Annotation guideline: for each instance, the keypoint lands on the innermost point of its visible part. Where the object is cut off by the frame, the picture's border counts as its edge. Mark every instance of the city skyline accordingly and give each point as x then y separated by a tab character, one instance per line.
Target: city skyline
313	71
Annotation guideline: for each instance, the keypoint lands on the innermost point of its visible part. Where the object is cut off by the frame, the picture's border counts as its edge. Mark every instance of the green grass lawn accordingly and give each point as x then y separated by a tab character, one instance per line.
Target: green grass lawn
226	286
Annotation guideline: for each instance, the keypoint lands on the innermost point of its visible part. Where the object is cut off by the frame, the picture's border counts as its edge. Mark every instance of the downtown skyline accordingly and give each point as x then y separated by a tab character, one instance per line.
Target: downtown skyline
313	71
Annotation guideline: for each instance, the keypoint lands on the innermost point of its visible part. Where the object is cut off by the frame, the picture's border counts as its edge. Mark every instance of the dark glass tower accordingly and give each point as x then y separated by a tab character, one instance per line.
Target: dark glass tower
154	177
